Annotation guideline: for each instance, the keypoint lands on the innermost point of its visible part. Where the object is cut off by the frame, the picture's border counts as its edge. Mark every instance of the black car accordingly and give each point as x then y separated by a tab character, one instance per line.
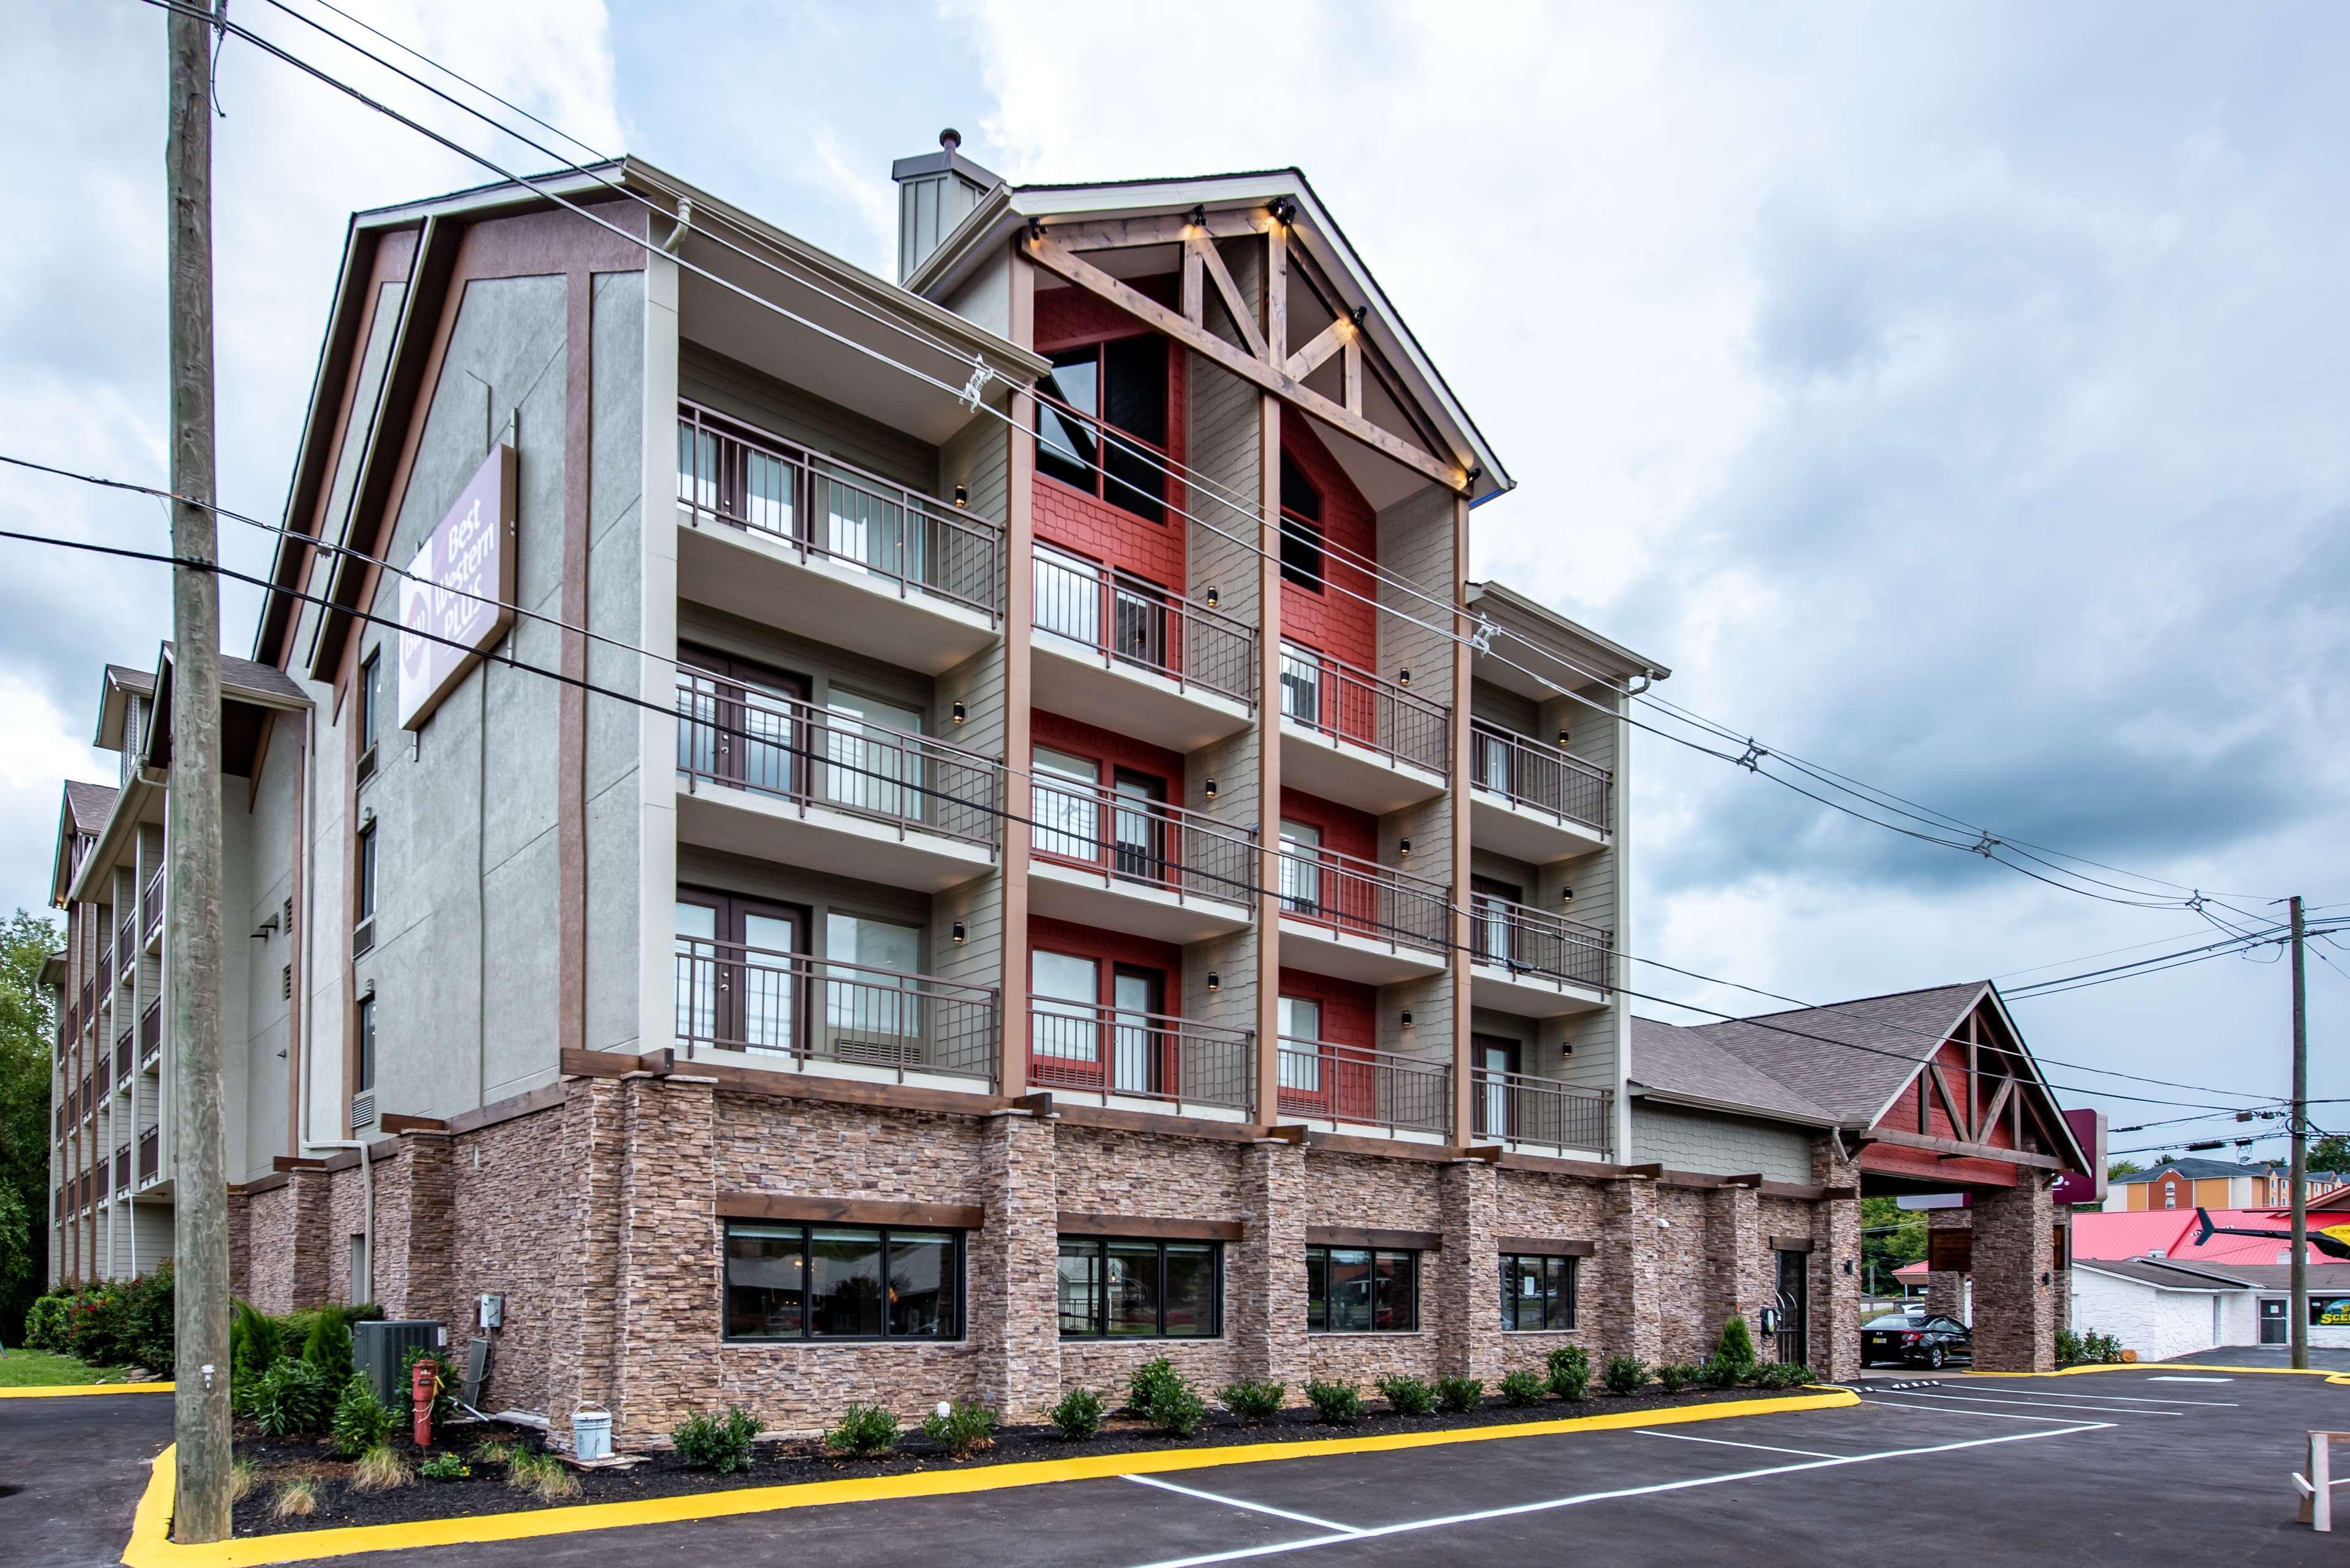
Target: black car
1901	1336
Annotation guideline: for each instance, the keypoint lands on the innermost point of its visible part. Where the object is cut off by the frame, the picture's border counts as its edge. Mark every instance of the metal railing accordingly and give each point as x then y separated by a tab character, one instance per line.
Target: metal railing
736	474
105	970
1133	839
794	1007
122	1168
150	1032
1540	778
1124	620
150	1156
1522	1109
126	942
729	734
1528	941
1328	695
1362	898
1369	1088
1088	1048
88	1014
122	1054
151	905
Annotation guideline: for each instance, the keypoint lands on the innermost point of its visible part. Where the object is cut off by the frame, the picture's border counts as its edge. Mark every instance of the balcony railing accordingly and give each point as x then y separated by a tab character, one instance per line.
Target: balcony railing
1526	940
1134	839
1369	1088
1540	778
1084	1048
733	474
733	734
122	1054
105	971
88	1014
1361	897
790	1009
150	905
122	1168
150	1156
125	942
1529	1110
1334	697
1123	620
150	1032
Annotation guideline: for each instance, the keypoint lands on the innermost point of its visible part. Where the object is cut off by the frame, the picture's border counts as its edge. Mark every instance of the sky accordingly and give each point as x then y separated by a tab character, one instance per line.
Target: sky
1952	397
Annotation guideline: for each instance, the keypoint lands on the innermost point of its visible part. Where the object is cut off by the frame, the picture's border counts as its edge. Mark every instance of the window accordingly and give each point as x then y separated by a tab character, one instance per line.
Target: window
842	1282
1301	554
1300	1066
870	1008
1064	791
1300	683
1300	868
365	1031
364	891
1361	1290
1111	1289
1101	422
740	722
370	710
1537	1292
1063	1021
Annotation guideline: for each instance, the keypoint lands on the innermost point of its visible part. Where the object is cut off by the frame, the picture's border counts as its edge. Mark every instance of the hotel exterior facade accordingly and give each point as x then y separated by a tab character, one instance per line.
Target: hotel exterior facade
948	837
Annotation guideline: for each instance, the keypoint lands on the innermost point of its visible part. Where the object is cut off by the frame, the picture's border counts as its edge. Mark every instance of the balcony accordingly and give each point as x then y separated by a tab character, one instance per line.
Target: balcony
122	1063
1531	1113
122	1168
1111	1055
1115	650
1533	802
126	940
1357	919
150	1034
150	1164
1352	736
786	536
1534	964
151	910
778	779
105	973
792	1012
1134	865
1356	1087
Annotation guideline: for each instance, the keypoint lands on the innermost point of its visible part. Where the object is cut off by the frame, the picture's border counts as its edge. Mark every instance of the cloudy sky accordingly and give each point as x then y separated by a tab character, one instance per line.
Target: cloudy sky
1952	397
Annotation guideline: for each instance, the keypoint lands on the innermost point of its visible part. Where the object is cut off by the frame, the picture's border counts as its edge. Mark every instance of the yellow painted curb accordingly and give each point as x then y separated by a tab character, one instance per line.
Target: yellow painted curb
67	1390
2342	1378
151	1546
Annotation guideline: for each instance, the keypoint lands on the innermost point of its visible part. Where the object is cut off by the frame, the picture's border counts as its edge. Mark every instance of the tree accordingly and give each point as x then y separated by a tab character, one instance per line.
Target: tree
1891	1236
26	1039
2330	1153
2122	1167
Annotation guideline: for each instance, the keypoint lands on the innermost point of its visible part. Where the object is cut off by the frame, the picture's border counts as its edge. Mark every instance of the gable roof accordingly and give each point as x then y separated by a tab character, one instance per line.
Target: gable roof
1895	1034
2197	1169
1683	1067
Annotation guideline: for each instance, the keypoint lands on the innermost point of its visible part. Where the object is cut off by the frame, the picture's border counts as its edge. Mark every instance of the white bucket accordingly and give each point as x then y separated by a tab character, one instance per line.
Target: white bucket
591	1432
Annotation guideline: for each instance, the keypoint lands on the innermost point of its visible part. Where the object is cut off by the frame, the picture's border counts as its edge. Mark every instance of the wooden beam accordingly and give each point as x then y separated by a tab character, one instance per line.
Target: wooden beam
1959	1150
1147	1227
1204	252
1544	1246
1356	1236
1997	1104
1276	294
1303	266
1315	355
1791	1243
1350	367
1157	316
1166	228
849	1210
1949	1101
1195	290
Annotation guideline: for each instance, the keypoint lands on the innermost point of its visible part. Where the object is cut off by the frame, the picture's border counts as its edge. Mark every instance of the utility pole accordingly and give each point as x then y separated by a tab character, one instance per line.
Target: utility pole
2299	1175
200	1203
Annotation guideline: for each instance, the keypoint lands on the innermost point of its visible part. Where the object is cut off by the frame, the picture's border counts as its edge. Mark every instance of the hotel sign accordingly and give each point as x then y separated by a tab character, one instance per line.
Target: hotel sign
453	602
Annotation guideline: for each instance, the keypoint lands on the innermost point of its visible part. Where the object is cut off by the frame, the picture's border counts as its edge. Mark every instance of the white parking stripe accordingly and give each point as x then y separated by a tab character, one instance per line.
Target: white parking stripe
1548	1504
1885	1401
2176	1378
2110	1398
1251	1507
1989	1399
1726	1443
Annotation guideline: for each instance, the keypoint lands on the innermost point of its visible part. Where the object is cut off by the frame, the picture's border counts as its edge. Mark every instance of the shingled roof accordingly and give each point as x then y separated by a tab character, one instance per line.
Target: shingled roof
1685	1065
1805	1050
90	805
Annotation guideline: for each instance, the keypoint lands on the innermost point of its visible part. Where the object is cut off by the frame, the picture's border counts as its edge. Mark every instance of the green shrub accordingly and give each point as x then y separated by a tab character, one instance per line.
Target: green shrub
1736	1346
361	1421
292	1397
1781	1375
1521	1388
45	1324
1720	1373
1338	1404
445	1468
493	1451
149	1325
721	1442
1675	1376
1570	1371
328	1346
961	1429
254	1341
2101	1347
542	1475
380	1469
1406	1396
96	1318
1076	1415
1254	1402
1459	1394
1626	1374
863	1430
1165	1397
445	1403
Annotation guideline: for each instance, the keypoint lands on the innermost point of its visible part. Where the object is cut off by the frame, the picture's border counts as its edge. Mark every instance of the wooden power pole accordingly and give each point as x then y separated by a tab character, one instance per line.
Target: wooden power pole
200	1200
2299	1172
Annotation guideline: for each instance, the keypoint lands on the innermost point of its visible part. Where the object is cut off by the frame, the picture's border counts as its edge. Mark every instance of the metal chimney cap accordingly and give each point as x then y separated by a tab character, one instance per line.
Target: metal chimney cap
949	139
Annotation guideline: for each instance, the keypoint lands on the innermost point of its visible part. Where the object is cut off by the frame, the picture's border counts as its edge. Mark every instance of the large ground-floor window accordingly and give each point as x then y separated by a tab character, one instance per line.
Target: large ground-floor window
1538	1291
1361	1290
1113	1289
842	1282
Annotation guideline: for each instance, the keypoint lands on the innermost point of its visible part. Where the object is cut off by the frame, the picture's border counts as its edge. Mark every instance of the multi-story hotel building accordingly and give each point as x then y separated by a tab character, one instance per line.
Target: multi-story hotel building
996	838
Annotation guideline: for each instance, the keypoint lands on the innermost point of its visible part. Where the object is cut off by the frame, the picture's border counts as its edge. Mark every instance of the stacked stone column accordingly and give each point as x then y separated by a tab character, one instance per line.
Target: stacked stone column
1265	1275
2016	1303
1470	1332
1629	1317
1011	1301
1834	1349
1946	1288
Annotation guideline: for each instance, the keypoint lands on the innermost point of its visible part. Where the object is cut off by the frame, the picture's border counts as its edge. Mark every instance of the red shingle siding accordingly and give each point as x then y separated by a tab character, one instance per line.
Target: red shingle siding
1112	750
1349	1010
1334	621
1108	946
1344	829
1084	523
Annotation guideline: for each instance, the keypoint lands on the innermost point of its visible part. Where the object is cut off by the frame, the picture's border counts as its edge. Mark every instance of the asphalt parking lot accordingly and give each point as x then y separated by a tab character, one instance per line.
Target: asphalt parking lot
2101	1470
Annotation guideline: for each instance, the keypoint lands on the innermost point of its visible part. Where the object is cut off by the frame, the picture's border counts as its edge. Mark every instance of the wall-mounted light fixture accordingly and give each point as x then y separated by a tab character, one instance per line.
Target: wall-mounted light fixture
1035	230
1284	210
1407	1018
1215	600
1209	791
1198	218
1357	315
1215	981
1403	848
1567	895
958	933
963	496
1404	678
1562	736
962	714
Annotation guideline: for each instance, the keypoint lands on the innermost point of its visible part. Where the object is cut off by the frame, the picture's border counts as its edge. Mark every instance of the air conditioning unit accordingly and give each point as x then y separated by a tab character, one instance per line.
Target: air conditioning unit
379	1349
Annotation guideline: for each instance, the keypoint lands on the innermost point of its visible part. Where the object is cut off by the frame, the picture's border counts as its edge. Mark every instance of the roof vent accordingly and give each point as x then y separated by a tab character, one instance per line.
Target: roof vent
2155	1254
934	193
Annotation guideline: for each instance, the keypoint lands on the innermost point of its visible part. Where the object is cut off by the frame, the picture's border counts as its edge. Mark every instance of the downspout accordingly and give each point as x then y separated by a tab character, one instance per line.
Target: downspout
366	1204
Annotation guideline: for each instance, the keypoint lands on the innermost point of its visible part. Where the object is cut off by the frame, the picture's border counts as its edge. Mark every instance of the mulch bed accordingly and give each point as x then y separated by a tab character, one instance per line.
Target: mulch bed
791	1462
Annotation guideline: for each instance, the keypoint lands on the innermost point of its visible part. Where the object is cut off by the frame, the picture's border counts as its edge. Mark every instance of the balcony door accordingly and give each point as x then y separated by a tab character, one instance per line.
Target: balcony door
737	723
742	967
1137	829
1064	1027
869	768
1490	905
1495	1059
1301	869
1135	1067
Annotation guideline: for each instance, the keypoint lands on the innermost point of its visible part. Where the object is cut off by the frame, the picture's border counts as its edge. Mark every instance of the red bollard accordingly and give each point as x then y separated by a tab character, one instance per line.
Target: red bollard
424	1388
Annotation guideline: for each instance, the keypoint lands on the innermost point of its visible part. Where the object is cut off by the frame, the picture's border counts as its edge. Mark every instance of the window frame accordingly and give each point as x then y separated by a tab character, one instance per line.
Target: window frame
369	716
1323	1251
1098	1247
363	1046
366	891
1563	1293
960	1255
1102	429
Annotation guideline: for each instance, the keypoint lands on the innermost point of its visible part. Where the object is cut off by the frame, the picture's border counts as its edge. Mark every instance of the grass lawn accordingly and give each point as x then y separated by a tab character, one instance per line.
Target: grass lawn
32	1368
